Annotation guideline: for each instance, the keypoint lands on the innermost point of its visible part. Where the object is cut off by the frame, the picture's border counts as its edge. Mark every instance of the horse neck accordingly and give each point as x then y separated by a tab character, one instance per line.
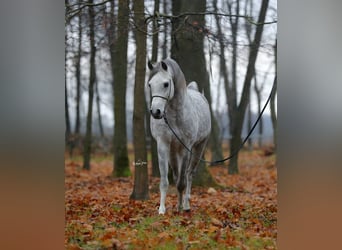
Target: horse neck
176	104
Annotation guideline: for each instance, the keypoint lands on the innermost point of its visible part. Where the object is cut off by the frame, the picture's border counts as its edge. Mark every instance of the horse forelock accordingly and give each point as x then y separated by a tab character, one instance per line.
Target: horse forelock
153	72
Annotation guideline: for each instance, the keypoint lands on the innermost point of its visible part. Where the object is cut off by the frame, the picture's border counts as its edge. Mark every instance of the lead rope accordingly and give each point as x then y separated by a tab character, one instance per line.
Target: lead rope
213	163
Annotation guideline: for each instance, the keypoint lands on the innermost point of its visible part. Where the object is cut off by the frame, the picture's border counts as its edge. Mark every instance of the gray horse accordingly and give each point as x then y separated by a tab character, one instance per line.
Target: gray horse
187	112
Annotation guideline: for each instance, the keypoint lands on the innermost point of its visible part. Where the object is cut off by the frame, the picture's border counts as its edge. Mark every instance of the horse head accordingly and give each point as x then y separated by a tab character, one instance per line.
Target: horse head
162	88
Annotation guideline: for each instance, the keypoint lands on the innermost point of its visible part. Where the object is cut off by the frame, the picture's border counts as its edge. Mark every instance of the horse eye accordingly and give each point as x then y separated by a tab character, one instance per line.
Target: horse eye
149	85
166	84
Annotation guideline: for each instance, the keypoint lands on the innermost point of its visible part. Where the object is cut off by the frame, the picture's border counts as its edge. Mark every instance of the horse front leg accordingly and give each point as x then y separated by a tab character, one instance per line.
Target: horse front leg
163	158
187	195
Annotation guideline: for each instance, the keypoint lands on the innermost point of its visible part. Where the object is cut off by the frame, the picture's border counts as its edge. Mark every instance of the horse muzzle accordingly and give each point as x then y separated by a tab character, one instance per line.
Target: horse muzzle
156	114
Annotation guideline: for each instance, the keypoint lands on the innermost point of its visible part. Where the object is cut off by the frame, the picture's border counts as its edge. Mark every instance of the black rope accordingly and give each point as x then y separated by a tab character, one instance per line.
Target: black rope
212	163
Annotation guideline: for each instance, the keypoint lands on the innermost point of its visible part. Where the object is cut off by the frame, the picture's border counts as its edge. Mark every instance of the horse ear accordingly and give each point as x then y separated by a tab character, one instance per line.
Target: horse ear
164	66
150	65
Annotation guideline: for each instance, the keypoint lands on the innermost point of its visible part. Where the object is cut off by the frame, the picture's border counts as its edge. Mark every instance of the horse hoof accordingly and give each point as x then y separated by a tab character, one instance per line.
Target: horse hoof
187	211
161	211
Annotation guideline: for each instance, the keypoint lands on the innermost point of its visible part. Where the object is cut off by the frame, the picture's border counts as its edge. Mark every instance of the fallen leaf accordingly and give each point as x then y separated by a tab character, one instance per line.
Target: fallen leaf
211	190
216	222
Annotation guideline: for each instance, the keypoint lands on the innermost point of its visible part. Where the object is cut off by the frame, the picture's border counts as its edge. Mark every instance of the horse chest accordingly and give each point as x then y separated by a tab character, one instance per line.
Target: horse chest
160	130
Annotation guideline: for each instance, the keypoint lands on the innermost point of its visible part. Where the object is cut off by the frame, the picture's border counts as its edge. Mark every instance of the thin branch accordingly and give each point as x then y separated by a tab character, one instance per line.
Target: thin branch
158	15
72	13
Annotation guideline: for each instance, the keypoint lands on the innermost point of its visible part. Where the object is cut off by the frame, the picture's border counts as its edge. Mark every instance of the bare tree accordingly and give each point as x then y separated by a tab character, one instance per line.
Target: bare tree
78	75
154	58
248	29
273	112
258	88
66	103
67	116
140	189
88	136
238	111
98	107
118	51
231	92
166	30
223	68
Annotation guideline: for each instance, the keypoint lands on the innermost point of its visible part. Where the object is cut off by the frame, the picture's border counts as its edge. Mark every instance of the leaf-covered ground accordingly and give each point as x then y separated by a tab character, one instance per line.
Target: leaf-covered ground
240	215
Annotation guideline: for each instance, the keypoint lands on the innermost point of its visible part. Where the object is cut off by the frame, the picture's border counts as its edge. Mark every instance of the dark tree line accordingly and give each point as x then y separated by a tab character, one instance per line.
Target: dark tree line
100	36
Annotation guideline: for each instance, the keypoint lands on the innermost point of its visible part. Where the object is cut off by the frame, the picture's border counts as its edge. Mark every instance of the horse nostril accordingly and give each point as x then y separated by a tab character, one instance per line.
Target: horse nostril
156	113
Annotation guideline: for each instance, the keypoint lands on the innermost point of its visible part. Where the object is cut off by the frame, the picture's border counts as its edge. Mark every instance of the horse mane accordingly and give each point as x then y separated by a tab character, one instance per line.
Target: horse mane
177	74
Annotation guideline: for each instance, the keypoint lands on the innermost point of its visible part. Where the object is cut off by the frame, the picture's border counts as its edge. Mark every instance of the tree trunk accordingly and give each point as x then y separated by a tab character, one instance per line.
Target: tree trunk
223	68
77	137
69	139
98	106
231	93
154	153
272	106
67	117
119	70
78	76
188	50
260	125
88	136
165	47
273	113
140	189
155	36
250	141
248	28
240	111
66	103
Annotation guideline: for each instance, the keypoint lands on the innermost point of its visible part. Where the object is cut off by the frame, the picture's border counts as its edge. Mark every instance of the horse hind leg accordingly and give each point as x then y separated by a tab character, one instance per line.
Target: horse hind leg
181	180
197	151
174	168
180	188
187	195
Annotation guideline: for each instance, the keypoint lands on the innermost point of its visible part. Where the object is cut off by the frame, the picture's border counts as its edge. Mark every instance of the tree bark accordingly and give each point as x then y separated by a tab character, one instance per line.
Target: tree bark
165	47
258	90
140	189
88	136
250	141
231	93
119	69
66	103
155	37
223	67
272	106
78	76
248	28
154	153
98	106
240	111
273	113
67	117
